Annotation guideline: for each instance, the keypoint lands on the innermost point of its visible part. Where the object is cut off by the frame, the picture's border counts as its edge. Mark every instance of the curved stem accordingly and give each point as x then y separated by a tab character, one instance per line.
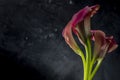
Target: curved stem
91	67
96	68
80	53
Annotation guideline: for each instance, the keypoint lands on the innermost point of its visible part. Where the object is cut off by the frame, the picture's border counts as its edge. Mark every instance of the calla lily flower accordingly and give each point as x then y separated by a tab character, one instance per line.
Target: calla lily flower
102	44
80	25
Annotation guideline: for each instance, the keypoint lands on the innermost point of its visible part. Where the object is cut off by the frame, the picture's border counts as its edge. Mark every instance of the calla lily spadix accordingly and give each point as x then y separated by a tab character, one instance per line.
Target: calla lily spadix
80	26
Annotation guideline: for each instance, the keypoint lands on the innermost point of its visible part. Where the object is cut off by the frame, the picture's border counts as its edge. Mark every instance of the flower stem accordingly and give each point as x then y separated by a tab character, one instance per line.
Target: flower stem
95	69
86	65
88	59
91	67
80	53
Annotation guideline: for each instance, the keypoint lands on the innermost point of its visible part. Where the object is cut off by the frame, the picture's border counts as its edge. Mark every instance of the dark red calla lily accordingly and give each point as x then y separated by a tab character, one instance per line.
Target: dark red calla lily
80	25
102	44
81	22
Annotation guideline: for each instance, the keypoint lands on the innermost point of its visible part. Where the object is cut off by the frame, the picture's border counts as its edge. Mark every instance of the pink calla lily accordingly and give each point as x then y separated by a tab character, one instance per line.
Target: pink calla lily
81	22
102	44
80	25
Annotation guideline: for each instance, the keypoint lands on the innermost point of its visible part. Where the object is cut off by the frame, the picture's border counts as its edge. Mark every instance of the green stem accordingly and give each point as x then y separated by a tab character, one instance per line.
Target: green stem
86	66
80	53
95	69
91	66
89	55
88	59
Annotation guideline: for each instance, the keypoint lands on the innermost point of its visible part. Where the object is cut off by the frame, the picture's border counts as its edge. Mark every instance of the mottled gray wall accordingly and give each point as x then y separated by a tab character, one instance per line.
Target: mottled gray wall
32	47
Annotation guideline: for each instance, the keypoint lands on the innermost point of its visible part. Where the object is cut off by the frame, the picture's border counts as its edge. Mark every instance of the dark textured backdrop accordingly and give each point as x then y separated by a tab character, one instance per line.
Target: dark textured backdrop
32	47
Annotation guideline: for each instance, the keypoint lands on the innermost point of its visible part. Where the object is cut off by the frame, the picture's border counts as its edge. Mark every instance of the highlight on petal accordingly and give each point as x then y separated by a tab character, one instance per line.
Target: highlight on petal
94	8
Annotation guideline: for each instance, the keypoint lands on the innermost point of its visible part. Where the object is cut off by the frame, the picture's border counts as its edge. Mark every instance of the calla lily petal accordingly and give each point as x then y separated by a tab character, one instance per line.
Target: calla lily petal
113	45
67	34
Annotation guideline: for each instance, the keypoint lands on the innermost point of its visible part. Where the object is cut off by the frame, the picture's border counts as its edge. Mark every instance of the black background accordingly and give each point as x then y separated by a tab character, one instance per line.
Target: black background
32	46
